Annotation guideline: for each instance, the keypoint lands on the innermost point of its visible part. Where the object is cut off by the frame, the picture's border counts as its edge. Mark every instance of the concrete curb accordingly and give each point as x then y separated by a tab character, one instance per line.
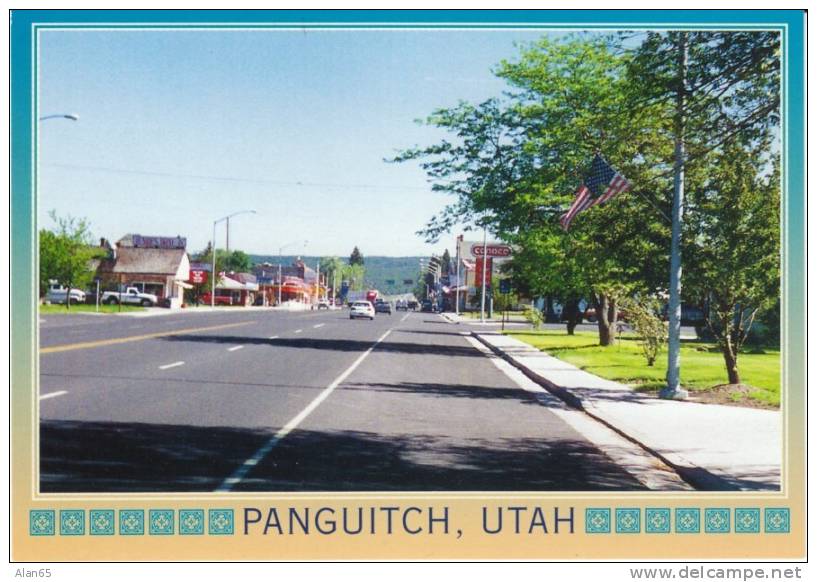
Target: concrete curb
693	474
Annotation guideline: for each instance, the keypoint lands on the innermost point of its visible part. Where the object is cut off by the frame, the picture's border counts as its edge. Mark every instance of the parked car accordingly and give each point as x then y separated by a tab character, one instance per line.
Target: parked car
382	307
322	304
428	307
131	296
58	294
401	305
413	305
361	309
220	299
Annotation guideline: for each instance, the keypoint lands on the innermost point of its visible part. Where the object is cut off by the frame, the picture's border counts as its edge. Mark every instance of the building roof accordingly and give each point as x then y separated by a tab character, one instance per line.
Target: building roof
153	261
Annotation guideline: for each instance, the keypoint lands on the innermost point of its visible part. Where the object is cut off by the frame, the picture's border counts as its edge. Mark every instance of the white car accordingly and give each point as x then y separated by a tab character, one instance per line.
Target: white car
362	309
58	294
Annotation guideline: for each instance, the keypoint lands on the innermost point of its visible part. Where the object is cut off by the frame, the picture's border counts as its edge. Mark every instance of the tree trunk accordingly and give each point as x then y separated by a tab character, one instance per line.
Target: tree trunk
730	357
606	315
550	314
571	315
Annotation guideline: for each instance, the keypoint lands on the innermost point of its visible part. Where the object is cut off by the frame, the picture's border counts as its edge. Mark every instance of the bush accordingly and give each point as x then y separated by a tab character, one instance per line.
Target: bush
643	316
534	317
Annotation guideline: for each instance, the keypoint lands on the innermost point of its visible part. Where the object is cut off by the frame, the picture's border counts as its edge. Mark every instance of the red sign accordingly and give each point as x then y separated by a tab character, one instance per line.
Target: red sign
478	281
493	250
197	277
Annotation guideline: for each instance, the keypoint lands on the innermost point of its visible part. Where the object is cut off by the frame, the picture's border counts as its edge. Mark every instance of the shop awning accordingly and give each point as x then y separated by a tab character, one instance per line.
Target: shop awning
231	284
184	285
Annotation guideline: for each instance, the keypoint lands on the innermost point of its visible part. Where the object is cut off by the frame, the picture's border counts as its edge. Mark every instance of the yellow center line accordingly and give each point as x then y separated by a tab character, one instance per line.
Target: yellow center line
135	338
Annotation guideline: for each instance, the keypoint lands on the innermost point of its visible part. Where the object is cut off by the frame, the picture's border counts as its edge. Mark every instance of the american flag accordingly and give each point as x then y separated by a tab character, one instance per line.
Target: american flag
602	184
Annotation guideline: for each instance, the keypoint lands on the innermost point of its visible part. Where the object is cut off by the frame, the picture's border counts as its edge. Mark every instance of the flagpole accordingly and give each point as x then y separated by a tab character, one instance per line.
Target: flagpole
673	388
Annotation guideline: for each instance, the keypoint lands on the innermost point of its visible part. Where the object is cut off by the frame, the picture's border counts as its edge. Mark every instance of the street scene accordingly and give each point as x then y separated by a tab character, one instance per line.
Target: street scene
300	261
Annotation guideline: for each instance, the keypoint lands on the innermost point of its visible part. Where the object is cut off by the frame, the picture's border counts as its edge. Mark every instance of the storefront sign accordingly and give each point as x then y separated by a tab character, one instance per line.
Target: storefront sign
487	275
470	249
159	242
198	276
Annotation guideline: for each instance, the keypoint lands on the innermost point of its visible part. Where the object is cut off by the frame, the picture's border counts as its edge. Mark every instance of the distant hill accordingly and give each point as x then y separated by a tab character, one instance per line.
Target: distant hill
383	273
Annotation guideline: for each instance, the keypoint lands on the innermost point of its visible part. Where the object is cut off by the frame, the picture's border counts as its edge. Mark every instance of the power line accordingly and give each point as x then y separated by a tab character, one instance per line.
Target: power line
232	179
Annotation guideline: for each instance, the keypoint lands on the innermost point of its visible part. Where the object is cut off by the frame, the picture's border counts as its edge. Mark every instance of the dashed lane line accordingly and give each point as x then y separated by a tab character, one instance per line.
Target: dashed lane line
245	468
173	365
234	348
53	394
298	330
273	337
136	338
317	325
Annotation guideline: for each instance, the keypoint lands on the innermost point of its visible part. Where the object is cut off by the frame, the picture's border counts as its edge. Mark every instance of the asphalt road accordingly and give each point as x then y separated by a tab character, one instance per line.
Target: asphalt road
310	401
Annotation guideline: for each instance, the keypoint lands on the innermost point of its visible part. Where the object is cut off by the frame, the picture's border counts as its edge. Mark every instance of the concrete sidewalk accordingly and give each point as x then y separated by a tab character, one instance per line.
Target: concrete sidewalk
713	447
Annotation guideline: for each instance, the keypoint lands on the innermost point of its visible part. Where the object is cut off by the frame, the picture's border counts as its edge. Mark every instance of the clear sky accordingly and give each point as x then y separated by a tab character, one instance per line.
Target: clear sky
179	128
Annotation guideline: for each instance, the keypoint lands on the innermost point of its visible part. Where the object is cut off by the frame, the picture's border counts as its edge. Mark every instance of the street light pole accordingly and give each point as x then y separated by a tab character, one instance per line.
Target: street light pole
213	273
484	269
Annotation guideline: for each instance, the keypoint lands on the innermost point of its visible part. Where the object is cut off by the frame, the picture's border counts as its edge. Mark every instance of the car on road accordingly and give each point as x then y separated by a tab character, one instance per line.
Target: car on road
413	305
58	294
382	307
428	307
322	304
361	309
131	296
401	305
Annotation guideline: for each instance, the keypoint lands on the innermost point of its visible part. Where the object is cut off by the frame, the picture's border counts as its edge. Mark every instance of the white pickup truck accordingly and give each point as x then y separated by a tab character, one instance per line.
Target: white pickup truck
131	296
58	294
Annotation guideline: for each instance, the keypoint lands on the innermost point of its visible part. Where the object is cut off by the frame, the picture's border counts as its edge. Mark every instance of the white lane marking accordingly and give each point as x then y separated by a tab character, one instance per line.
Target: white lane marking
234	348
405	317
53	394
298	330
273	337
173	365
245	467
644	467
317	325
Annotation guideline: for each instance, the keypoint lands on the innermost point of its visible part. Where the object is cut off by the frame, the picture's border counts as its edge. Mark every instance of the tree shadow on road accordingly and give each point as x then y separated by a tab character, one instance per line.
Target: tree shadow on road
341	345
140	457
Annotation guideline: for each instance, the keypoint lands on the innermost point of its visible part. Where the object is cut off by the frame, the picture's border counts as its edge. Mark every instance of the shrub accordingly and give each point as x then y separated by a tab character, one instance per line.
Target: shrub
534	317
643	315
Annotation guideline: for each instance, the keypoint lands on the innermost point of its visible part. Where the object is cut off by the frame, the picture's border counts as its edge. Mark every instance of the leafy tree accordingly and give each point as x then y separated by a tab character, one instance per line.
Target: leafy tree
356	257
65	253
445	265
736	246
226	262
515	164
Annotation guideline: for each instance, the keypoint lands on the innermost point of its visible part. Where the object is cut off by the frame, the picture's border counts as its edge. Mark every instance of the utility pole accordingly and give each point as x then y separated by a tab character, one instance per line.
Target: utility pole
457	290
227	242
484	269
673	388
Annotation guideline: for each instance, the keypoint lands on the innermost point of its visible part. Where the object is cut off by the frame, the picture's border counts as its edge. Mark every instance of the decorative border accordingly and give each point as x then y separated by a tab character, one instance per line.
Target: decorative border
688	520
131	522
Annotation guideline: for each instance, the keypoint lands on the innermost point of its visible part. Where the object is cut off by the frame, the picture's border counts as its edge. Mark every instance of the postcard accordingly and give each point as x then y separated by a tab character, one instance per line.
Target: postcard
417	285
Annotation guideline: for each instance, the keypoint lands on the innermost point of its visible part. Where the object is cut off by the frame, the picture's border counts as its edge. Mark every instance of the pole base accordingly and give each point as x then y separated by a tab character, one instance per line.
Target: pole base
668	393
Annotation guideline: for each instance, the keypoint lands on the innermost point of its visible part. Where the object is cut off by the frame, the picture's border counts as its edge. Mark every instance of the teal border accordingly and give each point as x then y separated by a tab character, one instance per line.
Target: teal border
108	514
24	24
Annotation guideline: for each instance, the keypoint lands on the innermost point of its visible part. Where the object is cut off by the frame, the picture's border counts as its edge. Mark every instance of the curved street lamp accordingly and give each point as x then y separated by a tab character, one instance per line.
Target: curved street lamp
213	278
71	116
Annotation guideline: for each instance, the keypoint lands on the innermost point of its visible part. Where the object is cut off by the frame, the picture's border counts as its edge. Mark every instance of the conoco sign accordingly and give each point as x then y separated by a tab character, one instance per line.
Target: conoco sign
493	250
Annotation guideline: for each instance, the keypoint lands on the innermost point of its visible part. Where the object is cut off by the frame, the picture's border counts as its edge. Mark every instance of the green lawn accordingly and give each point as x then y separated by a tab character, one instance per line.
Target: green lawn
702	364
83	308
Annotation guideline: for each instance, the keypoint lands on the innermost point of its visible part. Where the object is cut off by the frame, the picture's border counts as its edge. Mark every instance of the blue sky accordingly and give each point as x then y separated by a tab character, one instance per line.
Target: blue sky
179	128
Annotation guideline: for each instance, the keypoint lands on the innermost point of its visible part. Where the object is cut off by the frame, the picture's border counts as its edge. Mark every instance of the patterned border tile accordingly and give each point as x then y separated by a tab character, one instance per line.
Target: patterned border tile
747	520
131	522
102	522
777	520
72	522
161	522
191	522
220	522
657	520
628	520
597	520
716	520
41	522
687	520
